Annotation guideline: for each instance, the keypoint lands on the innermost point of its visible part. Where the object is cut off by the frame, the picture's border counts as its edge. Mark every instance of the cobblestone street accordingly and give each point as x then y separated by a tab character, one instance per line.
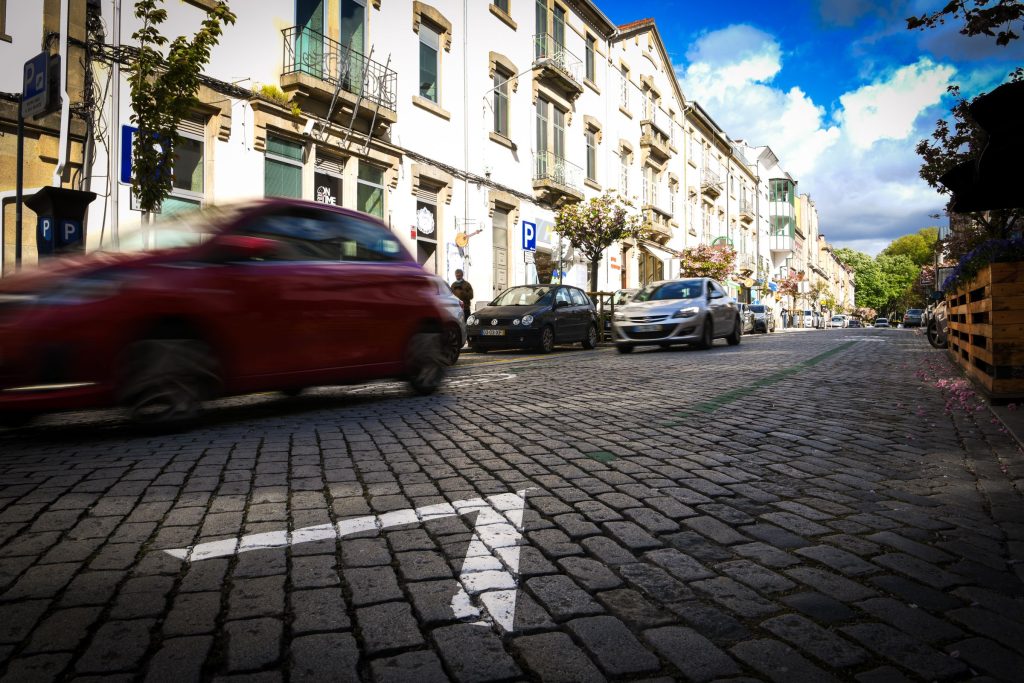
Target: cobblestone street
801	507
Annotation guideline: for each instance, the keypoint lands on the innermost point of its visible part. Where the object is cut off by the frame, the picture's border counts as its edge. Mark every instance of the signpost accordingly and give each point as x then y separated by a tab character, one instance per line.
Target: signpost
38	98
529	236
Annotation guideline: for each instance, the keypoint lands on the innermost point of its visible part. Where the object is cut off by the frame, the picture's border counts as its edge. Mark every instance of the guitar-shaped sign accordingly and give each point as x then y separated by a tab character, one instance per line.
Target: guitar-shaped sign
462	238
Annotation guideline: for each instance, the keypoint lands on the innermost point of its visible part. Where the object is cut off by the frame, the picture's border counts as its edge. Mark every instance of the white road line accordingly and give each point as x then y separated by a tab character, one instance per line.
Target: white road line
488	580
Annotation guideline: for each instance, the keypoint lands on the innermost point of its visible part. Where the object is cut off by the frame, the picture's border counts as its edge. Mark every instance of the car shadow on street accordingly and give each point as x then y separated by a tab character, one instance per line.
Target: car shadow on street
111	425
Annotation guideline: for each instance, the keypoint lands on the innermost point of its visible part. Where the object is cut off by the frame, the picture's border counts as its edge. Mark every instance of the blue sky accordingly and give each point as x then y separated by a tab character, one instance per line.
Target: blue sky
839	89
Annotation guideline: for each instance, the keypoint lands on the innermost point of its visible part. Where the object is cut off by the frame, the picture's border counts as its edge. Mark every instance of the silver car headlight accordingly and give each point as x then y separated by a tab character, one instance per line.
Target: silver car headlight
527	320
687	312
471	320
619	317
516	321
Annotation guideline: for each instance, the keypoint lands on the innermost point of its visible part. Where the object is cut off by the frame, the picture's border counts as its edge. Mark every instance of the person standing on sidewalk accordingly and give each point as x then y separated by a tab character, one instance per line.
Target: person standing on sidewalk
464	291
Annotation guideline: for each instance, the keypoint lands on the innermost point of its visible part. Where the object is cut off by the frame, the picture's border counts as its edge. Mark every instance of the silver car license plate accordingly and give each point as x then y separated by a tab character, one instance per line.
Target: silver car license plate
647	328
493	333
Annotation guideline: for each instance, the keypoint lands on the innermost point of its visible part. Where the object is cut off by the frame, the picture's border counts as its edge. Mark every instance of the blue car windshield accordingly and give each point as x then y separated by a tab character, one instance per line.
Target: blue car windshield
527	295
678	289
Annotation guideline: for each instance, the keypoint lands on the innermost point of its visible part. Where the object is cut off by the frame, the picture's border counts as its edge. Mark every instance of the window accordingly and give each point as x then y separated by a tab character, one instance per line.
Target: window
558	28
282	168
188	186
501	80
650	186
625	88
370	190
562	295
429	46
327	181
624	172
540	48
310	235
579	298
591	50
591	154
550	128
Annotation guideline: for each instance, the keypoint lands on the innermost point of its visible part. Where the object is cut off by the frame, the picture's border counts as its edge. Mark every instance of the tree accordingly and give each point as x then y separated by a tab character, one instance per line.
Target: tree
163	92
978	18
898	275
919	247
594	225
716	262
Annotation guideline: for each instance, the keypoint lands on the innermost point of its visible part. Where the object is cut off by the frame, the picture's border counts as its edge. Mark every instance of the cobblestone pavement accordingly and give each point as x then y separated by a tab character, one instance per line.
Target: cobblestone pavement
798	508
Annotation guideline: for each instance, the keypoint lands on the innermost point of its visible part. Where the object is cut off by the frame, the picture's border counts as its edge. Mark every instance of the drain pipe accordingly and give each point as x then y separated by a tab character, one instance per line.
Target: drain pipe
65	107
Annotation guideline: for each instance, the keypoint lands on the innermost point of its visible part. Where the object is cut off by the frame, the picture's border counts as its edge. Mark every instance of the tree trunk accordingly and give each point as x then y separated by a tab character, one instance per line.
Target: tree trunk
594	263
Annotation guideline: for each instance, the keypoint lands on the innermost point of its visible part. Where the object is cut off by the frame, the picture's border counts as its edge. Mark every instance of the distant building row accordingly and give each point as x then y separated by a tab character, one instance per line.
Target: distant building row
441	119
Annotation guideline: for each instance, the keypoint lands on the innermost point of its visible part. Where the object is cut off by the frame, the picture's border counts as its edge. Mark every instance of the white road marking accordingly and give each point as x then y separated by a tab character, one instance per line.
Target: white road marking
489	577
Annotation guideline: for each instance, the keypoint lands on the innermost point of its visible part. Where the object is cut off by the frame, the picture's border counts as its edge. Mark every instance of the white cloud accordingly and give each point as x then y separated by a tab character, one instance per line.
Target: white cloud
887	110
858	163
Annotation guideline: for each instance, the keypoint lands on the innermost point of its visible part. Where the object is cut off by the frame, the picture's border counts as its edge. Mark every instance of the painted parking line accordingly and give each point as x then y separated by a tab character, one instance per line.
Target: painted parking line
488	581
732	395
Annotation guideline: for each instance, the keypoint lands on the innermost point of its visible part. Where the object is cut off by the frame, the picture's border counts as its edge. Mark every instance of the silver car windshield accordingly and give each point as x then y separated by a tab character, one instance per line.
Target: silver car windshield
678	289
524	296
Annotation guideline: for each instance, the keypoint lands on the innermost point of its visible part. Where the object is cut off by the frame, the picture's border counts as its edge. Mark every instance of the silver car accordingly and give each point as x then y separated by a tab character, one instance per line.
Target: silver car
454	333
692	311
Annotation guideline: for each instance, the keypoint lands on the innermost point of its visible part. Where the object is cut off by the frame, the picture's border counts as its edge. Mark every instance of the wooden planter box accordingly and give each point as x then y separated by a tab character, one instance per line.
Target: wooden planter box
986	329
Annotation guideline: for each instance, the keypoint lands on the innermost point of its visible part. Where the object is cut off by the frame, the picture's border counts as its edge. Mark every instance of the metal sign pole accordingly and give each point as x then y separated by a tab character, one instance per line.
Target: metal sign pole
20	186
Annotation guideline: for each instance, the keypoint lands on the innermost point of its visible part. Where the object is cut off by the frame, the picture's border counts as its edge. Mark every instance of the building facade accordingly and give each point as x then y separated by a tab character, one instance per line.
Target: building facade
463	126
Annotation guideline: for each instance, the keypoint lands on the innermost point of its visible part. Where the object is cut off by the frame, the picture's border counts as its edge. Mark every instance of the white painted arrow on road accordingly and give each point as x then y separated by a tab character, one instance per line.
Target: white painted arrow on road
489	577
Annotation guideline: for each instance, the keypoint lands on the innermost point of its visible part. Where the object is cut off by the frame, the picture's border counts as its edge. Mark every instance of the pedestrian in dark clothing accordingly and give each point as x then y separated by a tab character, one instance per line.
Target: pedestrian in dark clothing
464	291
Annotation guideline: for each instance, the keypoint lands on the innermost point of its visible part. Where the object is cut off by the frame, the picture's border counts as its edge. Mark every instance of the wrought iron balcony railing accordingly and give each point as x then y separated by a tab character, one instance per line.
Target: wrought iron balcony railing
549	52
310	52
547	166
746	207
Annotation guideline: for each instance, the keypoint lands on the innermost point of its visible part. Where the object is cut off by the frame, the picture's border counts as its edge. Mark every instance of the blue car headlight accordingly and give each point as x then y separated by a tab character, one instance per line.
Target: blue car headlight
527	320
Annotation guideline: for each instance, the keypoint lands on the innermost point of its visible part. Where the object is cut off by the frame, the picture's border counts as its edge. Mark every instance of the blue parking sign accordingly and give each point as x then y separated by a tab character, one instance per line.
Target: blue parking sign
529	236
34	85
68	232
44	235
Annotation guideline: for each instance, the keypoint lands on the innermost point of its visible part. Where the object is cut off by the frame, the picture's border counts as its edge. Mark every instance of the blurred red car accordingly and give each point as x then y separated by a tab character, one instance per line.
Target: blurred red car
273	295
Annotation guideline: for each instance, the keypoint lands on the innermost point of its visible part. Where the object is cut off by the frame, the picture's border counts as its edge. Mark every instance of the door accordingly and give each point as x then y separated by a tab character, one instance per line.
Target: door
720	310
500	251
353	44
309	40
557	31
565	322
542	138
582	319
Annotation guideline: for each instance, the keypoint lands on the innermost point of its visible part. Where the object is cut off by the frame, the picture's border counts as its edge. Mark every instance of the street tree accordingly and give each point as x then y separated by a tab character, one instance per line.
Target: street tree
163	92
716	262
980	17
594	225
919	247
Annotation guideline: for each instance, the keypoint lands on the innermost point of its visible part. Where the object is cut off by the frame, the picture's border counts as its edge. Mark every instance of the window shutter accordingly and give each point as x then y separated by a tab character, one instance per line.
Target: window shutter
329	165
425	195
193	125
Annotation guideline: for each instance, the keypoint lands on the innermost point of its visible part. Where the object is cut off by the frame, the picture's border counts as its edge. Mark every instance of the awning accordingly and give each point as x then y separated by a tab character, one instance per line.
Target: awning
658	250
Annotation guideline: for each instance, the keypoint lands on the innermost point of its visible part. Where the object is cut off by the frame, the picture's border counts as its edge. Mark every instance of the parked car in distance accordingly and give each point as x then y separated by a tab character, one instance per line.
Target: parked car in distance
534	316
268	295
747	316
764	318
913	317
839	321
809	319
454	332
881	322
854	323
618	298
691	311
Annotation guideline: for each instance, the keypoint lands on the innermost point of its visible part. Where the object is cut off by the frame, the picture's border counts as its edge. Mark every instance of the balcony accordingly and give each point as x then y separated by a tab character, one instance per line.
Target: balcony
746	210
782	242
321	72
555	180
657	218
746	264
711	183
655	142
555	64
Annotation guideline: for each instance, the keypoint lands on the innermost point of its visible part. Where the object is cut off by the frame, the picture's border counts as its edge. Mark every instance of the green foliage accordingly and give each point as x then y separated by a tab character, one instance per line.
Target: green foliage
273	93
919	247
716	262
594	225
979	18
163	92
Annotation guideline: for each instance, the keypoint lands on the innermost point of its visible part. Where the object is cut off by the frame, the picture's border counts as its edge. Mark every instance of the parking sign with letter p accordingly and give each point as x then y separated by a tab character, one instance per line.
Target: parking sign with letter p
529	236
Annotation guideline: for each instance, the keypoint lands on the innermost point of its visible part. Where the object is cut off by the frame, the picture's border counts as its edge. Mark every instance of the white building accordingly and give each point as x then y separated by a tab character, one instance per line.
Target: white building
463	126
